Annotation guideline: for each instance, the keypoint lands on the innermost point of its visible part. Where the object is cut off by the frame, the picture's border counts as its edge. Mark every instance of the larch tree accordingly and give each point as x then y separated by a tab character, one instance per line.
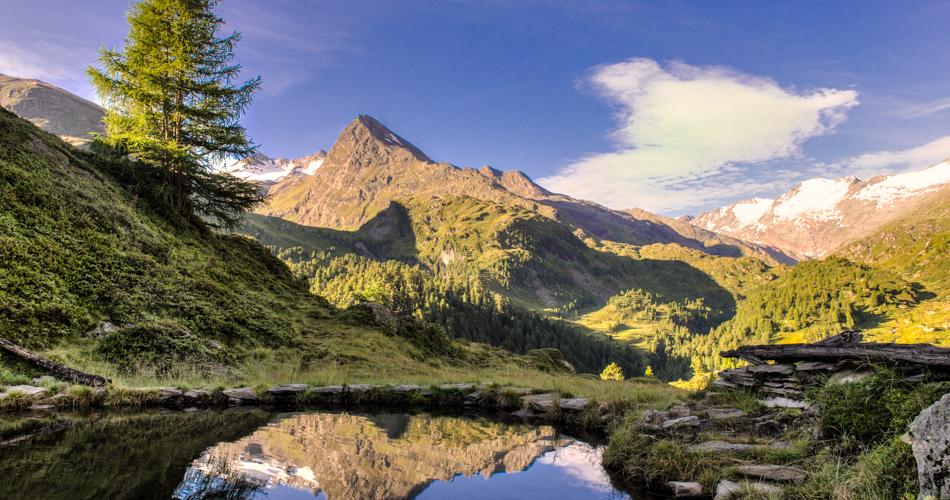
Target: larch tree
173	100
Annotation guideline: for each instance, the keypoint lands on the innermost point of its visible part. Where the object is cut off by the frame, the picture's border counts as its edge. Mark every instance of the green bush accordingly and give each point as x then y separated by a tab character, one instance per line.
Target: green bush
158	345
875	408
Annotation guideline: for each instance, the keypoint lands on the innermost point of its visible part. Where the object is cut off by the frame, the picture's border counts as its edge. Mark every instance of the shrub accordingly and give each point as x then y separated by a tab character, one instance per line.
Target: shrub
158	345
875	408
612	372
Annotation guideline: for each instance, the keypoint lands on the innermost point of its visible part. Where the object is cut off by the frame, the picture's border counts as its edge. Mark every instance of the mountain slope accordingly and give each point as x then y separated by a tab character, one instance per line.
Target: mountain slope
819	215
370	166
82	243
51	108
917	247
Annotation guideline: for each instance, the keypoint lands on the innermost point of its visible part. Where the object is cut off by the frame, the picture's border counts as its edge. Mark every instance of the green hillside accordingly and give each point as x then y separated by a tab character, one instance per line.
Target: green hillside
467	255
917	248
86	240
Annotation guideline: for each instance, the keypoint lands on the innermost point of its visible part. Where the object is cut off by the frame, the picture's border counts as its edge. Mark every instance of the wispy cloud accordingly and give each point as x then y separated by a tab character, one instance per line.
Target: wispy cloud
38	59
927	108
679	122
882	162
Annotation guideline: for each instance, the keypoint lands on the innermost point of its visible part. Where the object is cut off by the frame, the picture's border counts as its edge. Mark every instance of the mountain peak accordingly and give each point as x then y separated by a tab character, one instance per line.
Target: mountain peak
367	134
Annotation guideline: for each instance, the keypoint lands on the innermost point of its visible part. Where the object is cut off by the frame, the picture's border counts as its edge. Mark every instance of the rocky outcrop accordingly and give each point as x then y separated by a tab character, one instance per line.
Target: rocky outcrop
930	439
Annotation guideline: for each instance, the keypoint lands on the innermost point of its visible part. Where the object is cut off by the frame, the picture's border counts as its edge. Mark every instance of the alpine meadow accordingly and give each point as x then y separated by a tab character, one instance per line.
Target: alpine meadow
242	253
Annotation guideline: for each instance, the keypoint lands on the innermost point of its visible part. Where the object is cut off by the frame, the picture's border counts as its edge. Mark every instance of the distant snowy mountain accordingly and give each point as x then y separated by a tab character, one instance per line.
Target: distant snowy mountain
265	170
819	215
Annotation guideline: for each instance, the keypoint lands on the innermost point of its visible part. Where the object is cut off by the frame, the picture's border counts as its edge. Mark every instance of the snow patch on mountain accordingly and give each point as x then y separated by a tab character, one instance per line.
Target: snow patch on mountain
749	211
816	199
891	189
261	168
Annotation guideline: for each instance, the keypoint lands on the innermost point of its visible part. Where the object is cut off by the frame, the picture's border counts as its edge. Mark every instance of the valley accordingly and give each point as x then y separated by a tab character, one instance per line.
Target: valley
723	290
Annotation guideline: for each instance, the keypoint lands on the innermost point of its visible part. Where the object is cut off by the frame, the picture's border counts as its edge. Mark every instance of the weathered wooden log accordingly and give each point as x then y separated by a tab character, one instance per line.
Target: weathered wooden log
915	354
61	371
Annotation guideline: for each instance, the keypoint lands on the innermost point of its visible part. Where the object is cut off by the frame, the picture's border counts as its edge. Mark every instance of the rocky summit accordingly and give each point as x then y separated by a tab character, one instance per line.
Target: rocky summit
51	108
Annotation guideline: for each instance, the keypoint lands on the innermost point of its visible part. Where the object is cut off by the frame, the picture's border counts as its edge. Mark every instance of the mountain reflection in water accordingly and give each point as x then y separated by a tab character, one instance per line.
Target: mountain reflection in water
345	456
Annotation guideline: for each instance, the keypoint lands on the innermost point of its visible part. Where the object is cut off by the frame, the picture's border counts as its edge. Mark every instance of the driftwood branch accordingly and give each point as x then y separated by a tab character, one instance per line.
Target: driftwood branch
915	354
62	371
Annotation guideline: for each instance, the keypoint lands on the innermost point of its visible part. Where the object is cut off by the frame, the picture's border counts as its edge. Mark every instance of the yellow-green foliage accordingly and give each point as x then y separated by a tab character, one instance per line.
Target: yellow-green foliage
612	372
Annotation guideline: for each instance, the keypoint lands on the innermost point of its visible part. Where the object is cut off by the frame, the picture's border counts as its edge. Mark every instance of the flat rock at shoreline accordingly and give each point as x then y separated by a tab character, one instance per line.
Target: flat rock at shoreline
719	447
780	473
27	390
728	489
241	395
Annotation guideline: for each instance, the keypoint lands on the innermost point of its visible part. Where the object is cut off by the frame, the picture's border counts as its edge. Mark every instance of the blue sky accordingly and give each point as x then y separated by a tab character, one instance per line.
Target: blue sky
670	106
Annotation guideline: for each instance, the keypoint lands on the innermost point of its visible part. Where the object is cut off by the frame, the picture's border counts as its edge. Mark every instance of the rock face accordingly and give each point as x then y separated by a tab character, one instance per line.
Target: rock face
51	108
818	216
930	439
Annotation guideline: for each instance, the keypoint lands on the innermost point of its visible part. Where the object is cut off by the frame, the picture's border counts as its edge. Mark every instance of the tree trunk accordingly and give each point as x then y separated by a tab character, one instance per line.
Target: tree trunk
65	372
914	354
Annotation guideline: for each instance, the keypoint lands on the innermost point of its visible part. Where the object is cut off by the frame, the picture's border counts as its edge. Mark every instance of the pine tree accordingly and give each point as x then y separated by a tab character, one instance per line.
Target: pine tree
172	101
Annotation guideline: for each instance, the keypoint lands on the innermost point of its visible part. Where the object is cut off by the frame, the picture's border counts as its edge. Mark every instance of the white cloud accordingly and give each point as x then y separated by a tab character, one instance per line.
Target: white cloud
679	121
881	162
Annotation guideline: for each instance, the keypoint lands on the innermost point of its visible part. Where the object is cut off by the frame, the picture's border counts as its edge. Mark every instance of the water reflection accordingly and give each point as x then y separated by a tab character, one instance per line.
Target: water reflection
344	456
247	454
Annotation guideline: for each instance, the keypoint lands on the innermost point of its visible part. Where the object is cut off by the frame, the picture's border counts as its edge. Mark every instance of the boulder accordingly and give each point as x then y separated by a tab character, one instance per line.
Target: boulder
719	447
777	473
678	423
287	390
166	394
780	402
539	402
682	489
728	489
241	395
574	404
27	390
197	395
724	413
328	389
849	376
929	437
359	388
406	388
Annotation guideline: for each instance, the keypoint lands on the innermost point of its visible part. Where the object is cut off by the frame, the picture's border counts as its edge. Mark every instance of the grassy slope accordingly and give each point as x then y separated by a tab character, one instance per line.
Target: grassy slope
77	248
916	247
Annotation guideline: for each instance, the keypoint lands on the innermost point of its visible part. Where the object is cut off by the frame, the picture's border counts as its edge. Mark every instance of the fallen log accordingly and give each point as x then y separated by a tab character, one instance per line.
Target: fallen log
61	371
915	354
